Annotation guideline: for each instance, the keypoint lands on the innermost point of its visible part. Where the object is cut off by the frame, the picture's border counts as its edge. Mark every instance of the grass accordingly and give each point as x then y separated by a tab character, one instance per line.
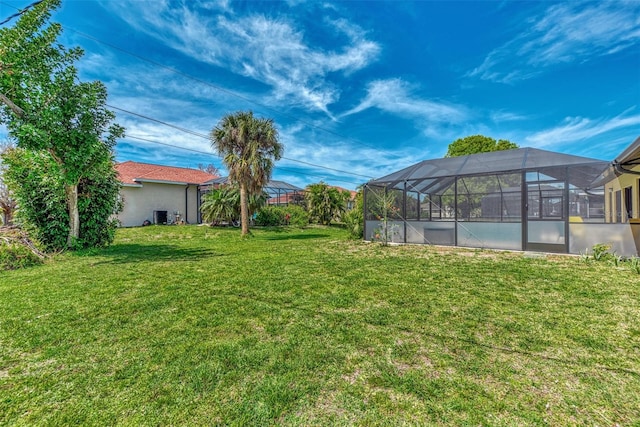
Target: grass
196	326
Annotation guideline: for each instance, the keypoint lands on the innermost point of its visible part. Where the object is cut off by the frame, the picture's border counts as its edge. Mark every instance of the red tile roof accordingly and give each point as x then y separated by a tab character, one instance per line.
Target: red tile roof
351	192
133	173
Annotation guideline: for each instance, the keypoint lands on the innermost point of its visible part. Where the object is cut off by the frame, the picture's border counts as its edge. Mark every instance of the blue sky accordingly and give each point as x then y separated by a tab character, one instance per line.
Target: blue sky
361	89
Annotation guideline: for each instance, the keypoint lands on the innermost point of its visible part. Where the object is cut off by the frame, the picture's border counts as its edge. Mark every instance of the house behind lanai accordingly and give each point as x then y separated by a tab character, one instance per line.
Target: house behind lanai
159	194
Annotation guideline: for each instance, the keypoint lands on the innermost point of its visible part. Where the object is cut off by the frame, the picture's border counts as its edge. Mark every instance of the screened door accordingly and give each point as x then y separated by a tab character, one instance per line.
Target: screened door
546	214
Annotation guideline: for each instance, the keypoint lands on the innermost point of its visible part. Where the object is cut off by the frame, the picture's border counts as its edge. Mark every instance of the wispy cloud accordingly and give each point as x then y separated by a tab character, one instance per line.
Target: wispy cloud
574	129
273	51
396	96
564	33
340	153
506	116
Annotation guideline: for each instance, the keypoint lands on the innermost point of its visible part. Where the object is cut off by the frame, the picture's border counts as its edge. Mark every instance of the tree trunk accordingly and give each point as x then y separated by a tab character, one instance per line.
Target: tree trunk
7	217
244	209
74	214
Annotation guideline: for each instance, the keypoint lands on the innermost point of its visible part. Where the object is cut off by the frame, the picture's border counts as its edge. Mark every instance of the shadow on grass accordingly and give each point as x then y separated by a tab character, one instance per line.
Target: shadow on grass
534	355
296	236
133	252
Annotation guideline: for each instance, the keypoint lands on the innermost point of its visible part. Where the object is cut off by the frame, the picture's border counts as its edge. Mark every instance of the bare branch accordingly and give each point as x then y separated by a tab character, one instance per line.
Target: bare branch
17	110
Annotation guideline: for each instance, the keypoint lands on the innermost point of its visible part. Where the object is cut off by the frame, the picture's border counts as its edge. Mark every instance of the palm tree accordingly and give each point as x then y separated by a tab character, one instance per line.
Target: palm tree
223	204
325	203
249	147
220	204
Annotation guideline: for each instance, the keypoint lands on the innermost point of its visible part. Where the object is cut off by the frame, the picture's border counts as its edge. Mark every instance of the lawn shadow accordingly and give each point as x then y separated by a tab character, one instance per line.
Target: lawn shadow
125	253
530	354
296	236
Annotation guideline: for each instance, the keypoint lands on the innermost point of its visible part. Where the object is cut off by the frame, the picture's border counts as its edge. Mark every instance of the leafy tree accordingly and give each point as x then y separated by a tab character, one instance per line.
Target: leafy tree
209	168
477	144
48	111
39	188
249	147
325	203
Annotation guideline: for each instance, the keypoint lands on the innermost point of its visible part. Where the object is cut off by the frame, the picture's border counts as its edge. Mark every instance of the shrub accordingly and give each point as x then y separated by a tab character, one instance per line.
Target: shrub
17	250
14	256
273	216
601	252
298	217
270	216
354	219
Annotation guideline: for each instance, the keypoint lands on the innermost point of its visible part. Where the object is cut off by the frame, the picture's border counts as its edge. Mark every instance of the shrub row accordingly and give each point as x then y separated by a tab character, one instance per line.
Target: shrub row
273	216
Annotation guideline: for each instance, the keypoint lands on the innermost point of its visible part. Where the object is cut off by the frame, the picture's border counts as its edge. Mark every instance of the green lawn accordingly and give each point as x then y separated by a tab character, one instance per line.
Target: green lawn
196	326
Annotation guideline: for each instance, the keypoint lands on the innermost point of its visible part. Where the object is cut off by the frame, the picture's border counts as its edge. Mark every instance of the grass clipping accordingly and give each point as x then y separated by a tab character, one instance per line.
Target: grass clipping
17	250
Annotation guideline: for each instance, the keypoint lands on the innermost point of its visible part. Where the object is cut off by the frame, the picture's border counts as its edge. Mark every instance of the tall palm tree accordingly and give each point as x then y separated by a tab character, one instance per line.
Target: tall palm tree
249	147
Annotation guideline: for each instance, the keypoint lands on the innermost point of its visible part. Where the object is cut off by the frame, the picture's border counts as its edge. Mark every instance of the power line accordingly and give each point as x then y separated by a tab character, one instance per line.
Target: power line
171	145
328	168
204	82
219	88
200	135
20	12
213	154
182	129
189	131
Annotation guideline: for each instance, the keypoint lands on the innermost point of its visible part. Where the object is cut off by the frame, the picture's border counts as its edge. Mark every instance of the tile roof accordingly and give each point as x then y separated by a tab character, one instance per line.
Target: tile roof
133	173
351	192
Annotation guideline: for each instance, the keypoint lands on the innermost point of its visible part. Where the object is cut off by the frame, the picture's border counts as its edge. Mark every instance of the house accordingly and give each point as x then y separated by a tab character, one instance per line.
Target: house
159	194
522	199
279	192
351	201
295	196
622	201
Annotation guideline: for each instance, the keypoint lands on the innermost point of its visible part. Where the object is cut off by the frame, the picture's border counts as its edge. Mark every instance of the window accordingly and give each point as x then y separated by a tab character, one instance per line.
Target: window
628	202
618	206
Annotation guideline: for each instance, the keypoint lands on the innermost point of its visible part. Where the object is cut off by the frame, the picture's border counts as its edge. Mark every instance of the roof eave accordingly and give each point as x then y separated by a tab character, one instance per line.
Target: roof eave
630	155
162	181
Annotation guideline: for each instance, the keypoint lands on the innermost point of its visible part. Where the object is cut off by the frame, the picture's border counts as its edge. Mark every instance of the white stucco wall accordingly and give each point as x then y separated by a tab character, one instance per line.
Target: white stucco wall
140	202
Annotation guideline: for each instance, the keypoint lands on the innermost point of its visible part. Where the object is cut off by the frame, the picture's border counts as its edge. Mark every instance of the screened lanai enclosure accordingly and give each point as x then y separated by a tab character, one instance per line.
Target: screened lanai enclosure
277	191
522	199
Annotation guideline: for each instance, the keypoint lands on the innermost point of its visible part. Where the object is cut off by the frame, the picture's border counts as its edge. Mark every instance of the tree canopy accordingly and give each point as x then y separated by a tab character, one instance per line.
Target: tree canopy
50	113
249	148
477	144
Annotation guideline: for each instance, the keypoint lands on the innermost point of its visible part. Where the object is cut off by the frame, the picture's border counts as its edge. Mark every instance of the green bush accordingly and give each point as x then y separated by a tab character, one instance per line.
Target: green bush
298	217
273	216
270	216
354	219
